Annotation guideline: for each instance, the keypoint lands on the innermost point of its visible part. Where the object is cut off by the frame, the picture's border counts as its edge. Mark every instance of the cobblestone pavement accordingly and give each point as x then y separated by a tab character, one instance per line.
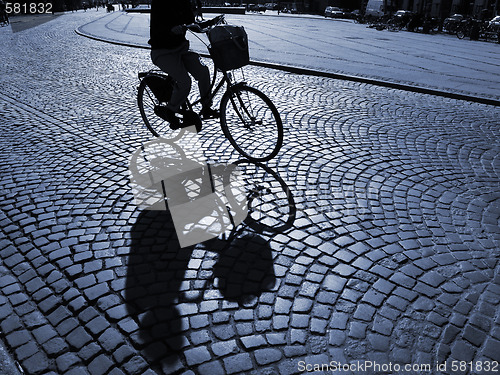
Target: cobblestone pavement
393	256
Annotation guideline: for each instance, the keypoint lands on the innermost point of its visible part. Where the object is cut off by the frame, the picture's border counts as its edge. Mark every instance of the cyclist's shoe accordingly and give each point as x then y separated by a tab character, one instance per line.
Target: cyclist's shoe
190	118
168	115
207	113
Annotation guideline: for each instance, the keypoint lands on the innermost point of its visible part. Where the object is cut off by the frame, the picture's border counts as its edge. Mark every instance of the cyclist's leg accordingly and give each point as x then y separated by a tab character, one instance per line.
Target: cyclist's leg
200	73
171	62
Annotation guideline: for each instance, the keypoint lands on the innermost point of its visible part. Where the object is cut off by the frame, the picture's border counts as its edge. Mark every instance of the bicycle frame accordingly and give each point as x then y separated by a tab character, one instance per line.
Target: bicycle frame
215	88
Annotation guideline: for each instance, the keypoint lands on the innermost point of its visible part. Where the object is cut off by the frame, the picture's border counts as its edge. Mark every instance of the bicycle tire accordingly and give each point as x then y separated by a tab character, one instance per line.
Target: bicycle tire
251	122
270	203
147	100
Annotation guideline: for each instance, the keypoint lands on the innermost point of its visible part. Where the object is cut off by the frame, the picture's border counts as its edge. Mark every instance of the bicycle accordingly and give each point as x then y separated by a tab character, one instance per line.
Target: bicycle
248	118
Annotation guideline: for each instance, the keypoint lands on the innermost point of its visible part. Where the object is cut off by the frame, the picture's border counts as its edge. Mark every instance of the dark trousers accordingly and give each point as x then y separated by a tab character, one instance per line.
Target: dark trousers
179	63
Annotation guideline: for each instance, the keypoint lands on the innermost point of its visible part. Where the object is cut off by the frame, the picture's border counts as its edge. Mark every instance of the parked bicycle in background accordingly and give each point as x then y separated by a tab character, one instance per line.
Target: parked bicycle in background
4	17
475	29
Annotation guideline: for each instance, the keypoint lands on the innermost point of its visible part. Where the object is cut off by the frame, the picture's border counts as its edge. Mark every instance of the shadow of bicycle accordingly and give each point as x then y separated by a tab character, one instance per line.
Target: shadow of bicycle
166	283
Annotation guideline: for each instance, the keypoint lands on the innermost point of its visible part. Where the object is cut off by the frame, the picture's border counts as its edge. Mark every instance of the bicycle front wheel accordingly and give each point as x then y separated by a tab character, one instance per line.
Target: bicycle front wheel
251	122
154	91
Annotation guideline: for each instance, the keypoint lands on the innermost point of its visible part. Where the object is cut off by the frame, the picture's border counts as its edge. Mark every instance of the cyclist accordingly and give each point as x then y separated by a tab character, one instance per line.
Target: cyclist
170	52
4	18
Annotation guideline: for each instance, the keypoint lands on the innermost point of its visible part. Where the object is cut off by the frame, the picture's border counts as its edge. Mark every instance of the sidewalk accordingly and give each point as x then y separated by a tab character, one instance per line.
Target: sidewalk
434	64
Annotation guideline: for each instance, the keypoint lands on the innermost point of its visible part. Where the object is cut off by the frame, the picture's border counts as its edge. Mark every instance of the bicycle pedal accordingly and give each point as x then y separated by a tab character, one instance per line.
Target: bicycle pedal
209	114
190	118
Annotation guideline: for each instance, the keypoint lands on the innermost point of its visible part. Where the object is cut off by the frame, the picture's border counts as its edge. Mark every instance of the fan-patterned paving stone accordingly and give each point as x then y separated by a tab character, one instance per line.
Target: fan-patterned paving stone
393	255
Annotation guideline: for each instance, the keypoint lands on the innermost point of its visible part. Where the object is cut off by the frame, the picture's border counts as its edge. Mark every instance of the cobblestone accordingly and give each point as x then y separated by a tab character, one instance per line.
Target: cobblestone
238	363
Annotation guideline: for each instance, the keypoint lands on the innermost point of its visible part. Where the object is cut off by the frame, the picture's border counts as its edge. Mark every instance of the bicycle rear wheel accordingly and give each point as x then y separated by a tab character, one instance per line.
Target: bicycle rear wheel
153	91
251	122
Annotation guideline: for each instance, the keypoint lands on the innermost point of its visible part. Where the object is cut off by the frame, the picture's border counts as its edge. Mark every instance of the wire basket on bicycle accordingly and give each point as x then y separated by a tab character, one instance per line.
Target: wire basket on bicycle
228	47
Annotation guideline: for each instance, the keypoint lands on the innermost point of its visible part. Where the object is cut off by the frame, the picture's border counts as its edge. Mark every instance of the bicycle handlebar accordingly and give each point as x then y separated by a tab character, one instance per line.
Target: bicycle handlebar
205	26
194	27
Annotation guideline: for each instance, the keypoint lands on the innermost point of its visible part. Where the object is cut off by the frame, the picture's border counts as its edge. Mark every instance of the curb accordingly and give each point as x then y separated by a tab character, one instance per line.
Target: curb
317	73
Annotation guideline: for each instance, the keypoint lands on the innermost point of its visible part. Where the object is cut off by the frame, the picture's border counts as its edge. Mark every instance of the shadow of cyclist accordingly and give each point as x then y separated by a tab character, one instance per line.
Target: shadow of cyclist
155	272
245	269
157	280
